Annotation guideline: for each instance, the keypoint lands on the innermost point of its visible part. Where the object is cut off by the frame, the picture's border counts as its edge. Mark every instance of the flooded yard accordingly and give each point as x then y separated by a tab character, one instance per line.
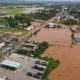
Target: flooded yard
69	68
58	37
62	49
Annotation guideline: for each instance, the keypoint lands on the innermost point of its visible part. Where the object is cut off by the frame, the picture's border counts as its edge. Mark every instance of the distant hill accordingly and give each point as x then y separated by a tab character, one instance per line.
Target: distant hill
2	2
23	1
11	1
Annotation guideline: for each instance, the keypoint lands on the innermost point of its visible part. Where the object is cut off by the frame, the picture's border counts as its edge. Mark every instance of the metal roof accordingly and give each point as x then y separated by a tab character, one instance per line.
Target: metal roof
4	78
11	63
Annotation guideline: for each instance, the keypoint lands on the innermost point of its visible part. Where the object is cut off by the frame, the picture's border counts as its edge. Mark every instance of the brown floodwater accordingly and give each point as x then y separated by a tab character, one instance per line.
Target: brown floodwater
57	37
62	49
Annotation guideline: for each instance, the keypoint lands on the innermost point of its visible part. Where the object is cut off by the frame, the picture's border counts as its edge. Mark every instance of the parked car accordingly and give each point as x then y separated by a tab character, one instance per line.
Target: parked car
44	63
37	76
37	62
38	68
40	74
30	74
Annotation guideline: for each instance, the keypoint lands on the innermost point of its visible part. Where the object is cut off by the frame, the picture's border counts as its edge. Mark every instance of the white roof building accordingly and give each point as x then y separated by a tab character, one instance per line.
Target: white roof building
51	24
29	28
11	63
2	44
4	78
77	37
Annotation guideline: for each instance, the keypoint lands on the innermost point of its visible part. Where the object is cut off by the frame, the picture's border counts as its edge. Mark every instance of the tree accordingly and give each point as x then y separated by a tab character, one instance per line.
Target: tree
24	19
12	22
69	22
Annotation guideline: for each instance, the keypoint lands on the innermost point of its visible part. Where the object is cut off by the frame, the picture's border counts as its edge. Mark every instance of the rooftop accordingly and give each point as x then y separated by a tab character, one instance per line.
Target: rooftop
10	63
77	35
4	78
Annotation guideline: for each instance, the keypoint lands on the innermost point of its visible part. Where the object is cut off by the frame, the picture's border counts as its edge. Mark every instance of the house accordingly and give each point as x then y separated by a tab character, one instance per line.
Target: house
50	25
30	47
2	44
29	28
75	28
8	39
78	28
76	37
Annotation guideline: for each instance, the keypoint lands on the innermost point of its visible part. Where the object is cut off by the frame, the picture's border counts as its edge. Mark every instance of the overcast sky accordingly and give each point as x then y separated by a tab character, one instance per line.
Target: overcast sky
55	0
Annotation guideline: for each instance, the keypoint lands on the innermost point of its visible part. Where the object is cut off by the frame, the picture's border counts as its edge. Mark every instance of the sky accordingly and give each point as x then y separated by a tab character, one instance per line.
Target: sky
39	0
54	0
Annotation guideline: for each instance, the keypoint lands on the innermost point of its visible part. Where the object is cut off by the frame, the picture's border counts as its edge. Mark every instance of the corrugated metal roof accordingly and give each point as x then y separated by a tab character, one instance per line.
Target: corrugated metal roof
11	63
3	78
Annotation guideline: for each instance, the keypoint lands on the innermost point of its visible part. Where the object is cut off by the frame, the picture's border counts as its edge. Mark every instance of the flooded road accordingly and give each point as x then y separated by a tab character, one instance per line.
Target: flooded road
69	68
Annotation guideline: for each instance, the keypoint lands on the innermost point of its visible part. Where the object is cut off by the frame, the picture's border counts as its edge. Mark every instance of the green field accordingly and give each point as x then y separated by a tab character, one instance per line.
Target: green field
13	31
4	29
3	21
10	11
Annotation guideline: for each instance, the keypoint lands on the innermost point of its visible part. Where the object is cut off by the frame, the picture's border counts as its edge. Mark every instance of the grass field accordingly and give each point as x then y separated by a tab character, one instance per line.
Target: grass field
4	29
3	21
10	11
16	32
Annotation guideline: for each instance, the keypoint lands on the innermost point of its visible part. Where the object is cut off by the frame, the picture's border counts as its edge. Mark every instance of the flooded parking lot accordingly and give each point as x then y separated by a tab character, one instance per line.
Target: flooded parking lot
62	49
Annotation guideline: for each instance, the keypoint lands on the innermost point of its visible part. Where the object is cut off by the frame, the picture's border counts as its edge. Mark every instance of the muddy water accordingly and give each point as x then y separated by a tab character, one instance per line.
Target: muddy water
69	68
60	37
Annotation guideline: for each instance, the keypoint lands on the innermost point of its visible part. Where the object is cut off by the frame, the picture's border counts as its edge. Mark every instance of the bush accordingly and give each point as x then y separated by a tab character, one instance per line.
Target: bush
42	47
52	65
70	22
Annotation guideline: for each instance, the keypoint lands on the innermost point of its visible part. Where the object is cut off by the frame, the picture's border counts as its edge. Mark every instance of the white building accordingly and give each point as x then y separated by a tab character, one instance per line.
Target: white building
77	37
2	44
3	78
11	64
50	25
29	28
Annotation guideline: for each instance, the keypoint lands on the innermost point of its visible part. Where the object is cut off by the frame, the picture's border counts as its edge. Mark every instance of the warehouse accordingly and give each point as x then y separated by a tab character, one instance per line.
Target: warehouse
10	64
4	78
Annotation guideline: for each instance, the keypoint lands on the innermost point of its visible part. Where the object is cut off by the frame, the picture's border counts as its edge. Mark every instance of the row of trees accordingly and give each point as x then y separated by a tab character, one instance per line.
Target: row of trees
70	22
44	14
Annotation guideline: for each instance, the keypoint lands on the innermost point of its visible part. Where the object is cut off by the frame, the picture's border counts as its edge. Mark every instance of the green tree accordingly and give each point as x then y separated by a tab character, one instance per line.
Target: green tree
12	22
69	22
24	19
